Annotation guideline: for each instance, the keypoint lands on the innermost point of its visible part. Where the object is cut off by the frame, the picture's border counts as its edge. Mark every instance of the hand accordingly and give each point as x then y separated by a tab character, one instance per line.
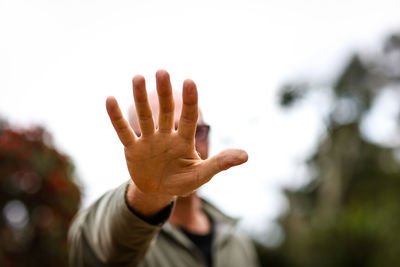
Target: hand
163	161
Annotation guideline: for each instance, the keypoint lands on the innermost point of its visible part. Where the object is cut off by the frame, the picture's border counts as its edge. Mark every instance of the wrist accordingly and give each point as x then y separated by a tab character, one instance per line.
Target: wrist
145	204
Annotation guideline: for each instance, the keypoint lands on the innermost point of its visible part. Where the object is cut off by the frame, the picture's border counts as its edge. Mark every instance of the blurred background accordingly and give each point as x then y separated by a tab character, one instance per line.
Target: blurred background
309	88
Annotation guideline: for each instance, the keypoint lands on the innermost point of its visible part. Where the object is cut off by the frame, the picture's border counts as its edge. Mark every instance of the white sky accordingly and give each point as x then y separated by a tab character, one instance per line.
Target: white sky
59	60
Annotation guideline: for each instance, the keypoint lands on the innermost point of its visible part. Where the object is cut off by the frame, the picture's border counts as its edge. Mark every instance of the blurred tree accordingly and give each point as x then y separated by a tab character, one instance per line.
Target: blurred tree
38	198
349	212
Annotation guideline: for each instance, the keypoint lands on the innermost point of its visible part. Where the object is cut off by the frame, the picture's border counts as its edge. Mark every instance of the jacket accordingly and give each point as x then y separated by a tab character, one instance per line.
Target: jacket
109	234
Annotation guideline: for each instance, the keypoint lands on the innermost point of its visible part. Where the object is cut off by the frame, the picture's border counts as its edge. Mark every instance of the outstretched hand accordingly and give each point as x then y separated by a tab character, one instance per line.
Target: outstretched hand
163	161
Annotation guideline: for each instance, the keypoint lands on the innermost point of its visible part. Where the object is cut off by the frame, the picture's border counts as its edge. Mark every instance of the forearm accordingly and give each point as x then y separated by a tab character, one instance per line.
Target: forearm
109	233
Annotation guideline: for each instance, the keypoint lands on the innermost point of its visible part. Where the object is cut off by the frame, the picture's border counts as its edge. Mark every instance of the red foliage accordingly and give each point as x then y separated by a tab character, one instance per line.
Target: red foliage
38	198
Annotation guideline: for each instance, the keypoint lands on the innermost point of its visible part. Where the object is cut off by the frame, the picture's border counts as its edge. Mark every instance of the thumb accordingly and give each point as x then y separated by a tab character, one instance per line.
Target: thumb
220	162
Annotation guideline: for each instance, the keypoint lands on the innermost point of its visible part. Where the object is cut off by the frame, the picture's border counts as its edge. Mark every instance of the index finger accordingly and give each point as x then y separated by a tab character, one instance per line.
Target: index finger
189	115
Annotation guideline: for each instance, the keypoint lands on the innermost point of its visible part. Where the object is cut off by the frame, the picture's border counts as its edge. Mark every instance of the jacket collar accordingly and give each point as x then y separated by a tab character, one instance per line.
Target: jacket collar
224	225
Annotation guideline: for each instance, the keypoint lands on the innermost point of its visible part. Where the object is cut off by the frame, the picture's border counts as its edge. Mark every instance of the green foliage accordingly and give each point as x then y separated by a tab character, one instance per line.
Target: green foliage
349	213
291	93
38	198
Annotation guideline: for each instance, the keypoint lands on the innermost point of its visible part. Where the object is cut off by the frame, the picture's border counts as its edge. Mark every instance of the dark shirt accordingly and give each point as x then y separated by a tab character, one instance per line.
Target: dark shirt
203	243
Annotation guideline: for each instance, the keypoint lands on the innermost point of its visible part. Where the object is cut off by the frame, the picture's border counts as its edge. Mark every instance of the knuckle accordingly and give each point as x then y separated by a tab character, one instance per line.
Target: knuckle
119	124
221	163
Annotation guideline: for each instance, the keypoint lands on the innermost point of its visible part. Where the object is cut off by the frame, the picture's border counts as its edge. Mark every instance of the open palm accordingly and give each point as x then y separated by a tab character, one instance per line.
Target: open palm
163	160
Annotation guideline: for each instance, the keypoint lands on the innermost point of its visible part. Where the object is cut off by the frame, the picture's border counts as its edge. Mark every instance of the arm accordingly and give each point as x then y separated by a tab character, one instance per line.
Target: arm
98	239
162	163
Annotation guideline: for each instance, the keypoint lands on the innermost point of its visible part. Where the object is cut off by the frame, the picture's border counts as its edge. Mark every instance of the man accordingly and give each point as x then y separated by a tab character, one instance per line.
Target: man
167	163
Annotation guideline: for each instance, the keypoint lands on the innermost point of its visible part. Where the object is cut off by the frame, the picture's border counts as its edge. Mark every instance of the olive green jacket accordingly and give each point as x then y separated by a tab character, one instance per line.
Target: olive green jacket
109	234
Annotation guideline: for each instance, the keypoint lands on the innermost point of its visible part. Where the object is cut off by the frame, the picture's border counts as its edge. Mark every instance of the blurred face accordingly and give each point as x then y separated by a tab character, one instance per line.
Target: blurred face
202	131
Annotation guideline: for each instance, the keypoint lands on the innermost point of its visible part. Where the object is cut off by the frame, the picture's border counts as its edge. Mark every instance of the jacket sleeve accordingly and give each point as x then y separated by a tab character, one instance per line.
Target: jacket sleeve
108	233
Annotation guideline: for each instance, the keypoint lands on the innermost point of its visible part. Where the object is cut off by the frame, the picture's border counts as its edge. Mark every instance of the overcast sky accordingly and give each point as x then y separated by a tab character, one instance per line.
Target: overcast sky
59	60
